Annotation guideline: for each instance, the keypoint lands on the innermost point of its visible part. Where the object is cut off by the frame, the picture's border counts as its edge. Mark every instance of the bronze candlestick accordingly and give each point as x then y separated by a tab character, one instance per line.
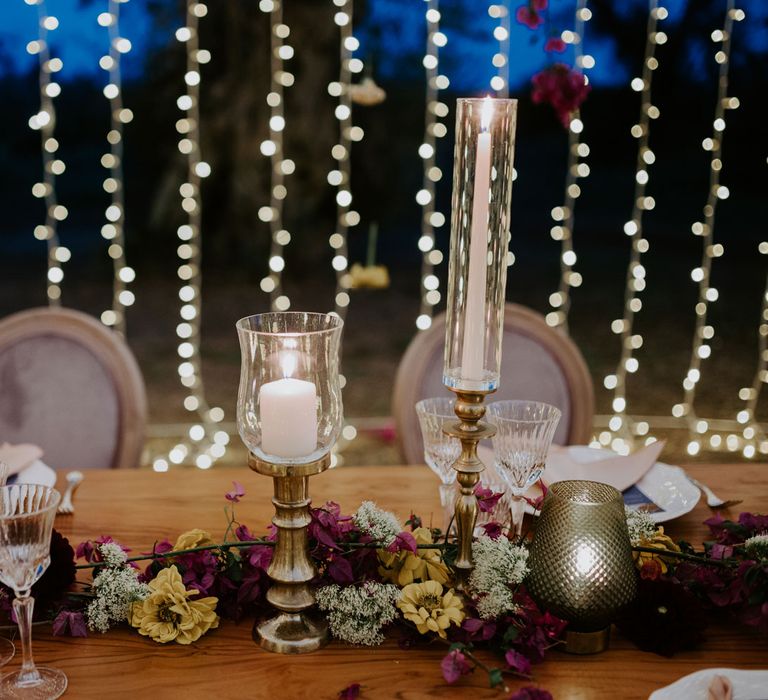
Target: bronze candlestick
469	429
293	630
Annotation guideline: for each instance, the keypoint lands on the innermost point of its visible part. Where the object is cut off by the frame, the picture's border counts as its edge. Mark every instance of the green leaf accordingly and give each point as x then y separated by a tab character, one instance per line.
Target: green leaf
495	677
457	645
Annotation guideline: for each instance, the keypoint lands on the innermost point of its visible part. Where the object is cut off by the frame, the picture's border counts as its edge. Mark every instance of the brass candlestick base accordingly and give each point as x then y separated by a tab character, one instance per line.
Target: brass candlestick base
470	429
292	631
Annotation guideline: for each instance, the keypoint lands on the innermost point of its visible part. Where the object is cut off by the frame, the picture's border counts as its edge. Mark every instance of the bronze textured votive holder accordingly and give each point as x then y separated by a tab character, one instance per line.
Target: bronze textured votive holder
293	630
581	561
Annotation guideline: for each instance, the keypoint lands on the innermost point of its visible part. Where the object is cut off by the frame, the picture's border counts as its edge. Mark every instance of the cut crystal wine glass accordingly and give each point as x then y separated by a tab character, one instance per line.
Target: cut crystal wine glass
26	519
524	432
440	450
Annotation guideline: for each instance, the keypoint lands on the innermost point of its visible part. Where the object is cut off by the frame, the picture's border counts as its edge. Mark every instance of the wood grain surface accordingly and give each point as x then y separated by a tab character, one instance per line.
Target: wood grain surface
137	507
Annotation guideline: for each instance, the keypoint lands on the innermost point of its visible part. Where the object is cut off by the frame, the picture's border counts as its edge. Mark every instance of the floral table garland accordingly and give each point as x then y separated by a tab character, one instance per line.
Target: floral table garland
374	576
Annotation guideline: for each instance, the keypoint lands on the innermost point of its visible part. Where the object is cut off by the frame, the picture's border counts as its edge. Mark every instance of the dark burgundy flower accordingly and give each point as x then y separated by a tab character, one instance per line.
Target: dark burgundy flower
455	665
554	45
404	541
529	17
479	630
198	570
517	662
562	88
71	623
89	550
59	575
531	693
237	492
664	618
413	521
351	692
486	498
651	569
753	524
492	529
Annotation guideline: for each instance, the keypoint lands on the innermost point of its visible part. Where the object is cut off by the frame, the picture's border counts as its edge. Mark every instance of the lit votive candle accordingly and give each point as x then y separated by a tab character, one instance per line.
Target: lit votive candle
288	418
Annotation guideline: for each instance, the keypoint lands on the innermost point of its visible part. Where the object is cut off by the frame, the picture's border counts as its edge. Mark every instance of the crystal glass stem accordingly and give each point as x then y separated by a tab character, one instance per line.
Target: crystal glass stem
23	607
448	501
517	511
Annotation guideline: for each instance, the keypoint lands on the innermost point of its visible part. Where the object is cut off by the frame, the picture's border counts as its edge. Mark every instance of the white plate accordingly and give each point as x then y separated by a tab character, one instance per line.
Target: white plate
37	473
664	484
747	685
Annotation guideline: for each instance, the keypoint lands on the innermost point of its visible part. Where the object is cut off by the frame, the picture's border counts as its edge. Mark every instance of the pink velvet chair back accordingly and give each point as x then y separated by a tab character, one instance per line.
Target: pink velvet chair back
71	386
538	363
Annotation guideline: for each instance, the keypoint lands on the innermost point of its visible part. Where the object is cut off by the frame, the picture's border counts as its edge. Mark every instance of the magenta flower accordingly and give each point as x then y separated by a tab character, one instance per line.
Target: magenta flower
561	87
351	692
486	498
455	665
236	493
492	529
531	693
529	17
518	663
554	44
71	623
404	541
478	629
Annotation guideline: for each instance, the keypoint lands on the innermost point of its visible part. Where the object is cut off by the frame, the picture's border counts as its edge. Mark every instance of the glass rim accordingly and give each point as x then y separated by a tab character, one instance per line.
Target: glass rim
587	483
421	406
496	100
338	323
556	413
53	504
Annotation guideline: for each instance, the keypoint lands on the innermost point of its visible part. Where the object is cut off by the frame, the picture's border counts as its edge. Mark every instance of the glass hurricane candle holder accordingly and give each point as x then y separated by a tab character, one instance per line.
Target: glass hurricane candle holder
289	415
581	561
477	274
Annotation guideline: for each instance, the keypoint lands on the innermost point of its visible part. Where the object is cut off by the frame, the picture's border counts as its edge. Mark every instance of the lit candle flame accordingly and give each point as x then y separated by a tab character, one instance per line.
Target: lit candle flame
288	363
486	113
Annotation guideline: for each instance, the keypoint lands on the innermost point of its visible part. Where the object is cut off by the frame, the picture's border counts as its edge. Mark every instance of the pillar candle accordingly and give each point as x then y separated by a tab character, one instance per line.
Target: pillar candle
288	410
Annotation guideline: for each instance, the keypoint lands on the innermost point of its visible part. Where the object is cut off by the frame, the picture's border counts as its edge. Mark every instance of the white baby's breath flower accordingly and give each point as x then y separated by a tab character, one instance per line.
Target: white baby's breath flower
115	589
499	567
357	614
640	525
381	525
112	554
757	546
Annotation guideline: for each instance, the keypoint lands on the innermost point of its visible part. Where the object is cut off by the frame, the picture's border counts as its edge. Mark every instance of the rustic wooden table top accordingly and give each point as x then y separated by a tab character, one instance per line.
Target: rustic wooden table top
138	507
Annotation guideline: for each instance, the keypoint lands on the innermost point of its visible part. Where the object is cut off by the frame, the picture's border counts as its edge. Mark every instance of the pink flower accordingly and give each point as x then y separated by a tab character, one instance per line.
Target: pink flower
351	692
561	87
236	493
486	498
529	17
492	529
531	693
554	43
72	623
455	665
517	662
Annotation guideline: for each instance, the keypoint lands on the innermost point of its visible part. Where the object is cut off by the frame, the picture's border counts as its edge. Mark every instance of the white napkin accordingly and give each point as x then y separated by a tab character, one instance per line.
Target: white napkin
19	457
564	463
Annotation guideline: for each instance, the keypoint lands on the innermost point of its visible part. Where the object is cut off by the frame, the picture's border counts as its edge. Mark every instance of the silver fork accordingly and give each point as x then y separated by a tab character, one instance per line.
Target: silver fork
713	500
74	479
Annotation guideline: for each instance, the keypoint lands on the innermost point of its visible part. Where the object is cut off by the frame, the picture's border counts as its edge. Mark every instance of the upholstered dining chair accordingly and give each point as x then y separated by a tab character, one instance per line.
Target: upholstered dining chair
537	363
71	386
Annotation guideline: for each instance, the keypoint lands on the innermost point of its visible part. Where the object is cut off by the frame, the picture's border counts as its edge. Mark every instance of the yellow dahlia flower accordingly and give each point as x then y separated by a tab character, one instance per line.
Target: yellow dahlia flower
425	605
193	538
658	541
167	614
405	567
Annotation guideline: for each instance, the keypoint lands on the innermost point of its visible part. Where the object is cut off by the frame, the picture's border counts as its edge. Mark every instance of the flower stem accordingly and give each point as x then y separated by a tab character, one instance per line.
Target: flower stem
698	558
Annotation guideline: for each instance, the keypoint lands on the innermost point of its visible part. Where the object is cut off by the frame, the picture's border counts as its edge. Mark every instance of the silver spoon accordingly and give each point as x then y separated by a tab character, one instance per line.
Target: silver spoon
713	500
74	479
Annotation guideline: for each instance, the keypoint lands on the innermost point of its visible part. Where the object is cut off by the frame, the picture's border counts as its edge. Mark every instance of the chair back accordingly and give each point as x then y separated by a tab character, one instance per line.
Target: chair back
71	386
538	363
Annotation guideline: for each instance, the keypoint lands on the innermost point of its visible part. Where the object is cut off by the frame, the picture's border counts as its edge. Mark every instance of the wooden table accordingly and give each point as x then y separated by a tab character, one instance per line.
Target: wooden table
138	507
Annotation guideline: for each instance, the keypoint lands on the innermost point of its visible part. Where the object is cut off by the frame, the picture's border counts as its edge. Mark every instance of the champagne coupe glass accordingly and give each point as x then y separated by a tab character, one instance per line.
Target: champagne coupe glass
524	432
26	519
7	650
440	450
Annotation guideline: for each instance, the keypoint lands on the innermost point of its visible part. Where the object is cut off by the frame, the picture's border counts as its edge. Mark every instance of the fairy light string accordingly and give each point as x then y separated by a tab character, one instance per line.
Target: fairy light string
500	81
272	148
434	129
206	441
114	229
563	215
704	332
340	176
44	121
622	428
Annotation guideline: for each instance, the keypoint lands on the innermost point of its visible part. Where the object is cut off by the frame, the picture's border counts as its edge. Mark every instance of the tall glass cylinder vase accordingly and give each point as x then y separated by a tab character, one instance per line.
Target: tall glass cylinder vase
482	190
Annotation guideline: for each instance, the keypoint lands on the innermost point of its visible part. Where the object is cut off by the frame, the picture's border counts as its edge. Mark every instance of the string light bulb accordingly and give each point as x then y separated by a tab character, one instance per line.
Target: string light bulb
434	130
563	217
113	230
272	148
500	82
44	121
635	275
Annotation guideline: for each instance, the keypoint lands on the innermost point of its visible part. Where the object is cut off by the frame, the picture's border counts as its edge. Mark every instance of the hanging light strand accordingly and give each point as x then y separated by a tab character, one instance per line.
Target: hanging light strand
206	441
703	332
339	177
434	129
500	81
44	121
114	228
621	427
563	216
273	149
